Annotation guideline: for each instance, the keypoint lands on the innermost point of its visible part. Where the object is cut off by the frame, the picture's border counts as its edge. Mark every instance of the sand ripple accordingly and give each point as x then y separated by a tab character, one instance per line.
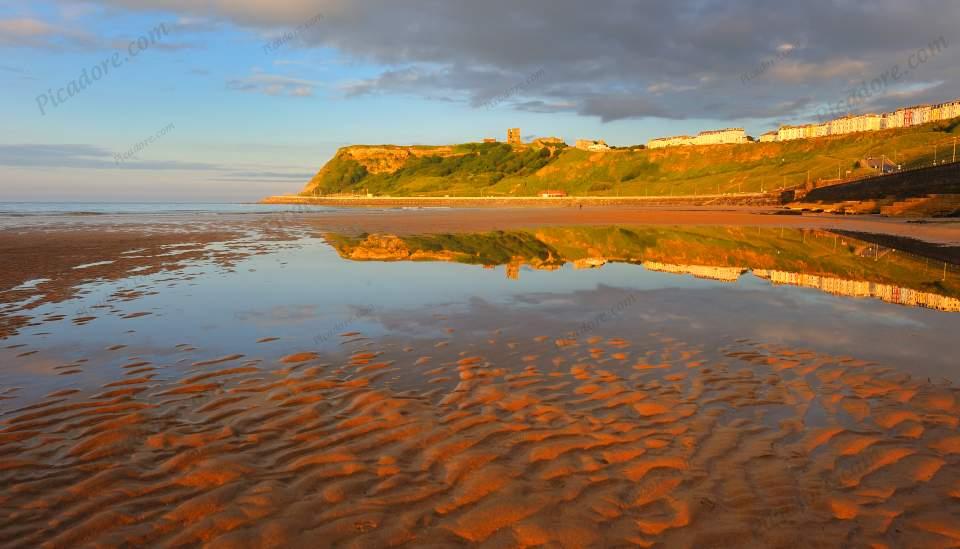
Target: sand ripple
566	443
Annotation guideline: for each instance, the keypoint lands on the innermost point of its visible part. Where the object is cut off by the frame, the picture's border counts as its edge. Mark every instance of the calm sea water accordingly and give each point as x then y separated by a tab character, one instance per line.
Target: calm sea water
133	208
706	286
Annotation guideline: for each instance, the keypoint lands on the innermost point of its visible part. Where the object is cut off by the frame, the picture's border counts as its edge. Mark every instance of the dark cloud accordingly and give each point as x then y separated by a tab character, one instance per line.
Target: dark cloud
622	58
617	107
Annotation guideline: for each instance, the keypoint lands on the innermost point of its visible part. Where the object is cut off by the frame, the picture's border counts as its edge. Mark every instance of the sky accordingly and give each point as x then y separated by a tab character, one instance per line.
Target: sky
234	100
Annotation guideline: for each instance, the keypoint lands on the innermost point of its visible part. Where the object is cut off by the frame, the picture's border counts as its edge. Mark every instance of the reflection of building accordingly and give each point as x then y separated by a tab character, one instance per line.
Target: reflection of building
513	136
589	263
723	274
860	288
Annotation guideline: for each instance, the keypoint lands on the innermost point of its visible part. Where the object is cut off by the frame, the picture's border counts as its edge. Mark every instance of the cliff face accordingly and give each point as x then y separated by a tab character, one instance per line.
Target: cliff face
375	160
388	159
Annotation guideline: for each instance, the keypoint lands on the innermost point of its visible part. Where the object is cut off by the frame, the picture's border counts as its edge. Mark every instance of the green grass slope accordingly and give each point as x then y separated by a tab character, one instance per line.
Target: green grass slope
501	170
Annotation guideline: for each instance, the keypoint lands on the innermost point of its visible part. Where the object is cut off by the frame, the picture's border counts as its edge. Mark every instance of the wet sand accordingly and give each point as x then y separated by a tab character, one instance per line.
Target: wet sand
432	220
439	220
518	437
522	443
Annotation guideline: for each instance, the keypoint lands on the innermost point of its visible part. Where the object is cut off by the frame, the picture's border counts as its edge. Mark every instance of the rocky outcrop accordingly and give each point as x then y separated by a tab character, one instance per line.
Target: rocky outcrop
377	159
388	159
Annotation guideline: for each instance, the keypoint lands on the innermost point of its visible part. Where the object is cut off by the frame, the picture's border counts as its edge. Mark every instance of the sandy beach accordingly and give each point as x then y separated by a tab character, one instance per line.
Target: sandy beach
527	275
150	399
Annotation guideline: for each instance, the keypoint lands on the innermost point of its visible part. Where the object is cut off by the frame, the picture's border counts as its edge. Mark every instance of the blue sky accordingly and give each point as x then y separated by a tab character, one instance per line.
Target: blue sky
248	121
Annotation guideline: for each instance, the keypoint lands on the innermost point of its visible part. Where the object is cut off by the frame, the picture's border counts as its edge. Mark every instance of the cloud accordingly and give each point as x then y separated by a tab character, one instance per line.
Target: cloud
15	70
123	43
668	87
265	176
84	157
619	107
630	59
272	84
800	72
546	107
34	33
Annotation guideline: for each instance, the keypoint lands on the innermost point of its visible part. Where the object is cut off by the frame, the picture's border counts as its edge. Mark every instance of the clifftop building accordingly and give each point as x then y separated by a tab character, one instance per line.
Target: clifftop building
513	136
674	141
592	145
728	136
547	141
901	118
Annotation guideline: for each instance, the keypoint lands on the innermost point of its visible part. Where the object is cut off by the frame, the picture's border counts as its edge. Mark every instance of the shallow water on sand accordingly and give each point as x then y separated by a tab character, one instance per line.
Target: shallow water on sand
577	386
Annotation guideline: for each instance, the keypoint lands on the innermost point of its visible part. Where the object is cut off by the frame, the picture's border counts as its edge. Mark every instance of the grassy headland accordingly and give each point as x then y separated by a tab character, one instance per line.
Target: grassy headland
497	169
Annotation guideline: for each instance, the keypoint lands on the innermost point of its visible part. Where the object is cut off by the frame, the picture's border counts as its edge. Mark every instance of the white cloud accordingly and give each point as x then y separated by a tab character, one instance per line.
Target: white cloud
34	33
272	84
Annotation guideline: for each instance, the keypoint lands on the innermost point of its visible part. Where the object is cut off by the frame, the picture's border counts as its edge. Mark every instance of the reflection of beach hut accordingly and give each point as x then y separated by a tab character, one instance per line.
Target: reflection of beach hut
553	194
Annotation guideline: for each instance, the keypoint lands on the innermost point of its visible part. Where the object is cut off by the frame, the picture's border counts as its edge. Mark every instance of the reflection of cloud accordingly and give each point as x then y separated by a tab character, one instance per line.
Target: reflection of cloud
281	315
713	315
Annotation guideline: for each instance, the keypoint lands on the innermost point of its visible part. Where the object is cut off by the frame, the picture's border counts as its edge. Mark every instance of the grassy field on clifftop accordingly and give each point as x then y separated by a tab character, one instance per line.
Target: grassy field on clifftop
498	169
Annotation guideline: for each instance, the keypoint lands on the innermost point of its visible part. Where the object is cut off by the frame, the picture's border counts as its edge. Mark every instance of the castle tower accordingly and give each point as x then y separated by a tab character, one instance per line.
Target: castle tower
513	136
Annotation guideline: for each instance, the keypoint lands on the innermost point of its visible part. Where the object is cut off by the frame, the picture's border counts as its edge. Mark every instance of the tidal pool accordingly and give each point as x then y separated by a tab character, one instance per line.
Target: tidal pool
576	386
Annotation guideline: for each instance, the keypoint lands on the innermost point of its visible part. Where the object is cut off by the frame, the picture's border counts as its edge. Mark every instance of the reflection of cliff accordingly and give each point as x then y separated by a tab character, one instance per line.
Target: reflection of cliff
512	249
716	253
859	288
